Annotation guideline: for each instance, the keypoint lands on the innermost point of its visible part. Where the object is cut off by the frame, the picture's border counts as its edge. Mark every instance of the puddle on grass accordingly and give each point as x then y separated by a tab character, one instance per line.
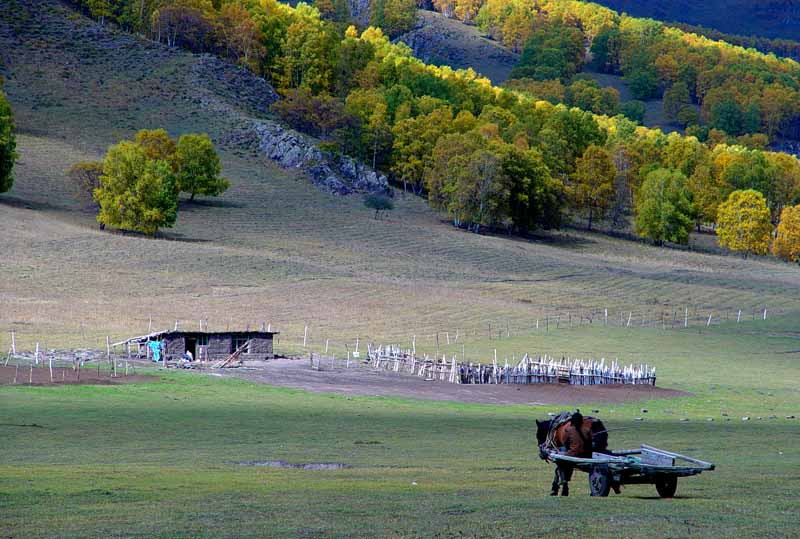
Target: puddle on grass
284	464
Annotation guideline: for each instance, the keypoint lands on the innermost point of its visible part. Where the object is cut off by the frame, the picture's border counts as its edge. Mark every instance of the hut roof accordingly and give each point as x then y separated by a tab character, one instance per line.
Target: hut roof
158	335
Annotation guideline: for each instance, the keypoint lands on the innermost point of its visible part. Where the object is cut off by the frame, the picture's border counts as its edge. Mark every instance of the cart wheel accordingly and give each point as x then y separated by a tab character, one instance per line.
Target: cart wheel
666	486
599	481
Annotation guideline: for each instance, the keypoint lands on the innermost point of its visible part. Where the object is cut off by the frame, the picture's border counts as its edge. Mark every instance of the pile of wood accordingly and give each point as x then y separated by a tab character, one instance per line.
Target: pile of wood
231	359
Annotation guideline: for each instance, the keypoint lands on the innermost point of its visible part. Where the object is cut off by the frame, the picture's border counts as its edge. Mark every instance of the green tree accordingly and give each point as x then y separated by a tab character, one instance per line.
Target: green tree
708	192
688	115
8	144
605	50
479	192
414	140
99	9
642	83
675	98
198	168
664	207
727	116
633	110
136	193
743	222
370	107
398	16
535	197
592	186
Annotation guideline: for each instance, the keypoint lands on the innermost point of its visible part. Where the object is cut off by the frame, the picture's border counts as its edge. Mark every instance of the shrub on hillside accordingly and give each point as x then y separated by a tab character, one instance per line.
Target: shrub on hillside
378	202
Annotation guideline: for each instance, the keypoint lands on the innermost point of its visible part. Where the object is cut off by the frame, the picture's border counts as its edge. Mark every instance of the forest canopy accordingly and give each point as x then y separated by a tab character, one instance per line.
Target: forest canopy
500	157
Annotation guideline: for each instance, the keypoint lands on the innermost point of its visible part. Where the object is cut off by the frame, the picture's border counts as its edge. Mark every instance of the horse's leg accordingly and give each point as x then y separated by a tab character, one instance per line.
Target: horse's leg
554	489
566	474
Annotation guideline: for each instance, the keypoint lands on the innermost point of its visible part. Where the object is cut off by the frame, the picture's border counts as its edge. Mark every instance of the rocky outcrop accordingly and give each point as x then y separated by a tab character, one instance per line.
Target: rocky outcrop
340	175
218	85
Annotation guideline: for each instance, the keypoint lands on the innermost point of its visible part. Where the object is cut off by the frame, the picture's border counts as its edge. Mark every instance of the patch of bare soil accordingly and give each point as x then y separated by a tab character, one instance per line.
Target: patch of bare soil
24	375
363	381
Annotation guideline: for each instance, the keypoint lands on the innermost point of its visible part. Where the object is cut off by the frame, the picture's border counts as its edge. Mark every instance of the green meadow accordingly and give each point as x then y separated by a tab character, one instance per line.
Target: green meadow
173	458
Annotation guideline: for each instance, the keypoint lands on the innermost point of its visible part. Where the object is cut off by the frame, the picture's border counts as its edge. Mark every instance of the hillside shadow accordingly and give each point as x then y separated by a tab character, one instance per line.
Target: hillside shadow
162	235
557	238
26	204
185	204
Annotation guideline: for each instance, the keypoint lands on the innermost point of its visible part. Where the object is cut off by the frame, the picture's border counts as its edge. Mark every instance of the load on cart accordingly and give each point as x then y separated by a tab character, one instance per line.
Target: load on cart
572	441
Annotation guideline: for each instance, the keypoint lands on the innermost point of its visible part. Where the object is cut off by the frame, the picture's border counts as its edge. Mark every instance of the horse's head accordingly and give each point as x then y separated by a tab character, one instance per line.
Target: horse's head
542	428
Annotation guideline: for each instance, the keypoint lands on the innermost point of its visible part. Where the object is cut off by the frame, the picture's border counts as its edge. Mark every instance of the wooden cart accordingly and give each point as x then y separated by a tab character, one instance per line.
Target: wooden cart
646	465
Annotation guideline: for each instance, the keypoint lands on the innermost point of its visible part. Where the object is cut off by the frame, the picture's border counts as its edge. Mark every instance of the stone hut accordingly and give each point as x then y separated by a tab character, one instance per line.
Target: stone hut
213	345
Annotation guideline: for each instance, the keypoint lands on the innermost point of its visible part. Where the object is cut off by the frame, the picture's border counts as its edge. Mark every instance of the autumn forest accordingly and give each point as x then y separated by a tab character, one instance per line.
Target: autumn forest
547	146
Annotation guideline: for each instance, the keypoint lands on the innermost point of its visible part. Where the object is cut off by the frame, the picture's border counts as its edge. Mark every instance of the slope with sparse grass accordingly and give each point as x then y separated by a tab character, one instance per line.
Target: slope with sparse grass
441	41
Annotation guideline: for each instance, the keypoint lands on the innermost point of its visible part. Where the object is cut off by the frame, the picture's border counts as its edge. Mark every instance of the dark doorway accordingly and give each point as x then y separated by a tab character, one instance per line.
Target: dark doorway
191	346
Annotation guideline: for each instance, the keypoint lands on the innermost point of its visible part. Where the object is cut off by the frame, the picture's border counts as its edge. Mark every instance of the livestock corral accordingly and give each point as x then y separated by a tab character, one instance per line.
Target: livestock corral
529	370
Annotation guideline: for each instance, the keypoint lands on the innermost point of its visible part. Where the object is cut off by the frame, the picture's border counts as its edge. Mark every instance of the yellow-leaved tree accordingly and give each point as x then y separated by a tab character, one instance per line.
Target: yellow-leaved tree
787	240
743	222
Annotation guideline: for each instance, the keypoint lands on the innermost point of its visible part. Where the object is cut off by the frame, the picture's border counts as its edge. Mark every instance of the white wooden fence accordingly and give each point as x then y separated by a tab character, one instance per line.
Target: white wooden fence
541	370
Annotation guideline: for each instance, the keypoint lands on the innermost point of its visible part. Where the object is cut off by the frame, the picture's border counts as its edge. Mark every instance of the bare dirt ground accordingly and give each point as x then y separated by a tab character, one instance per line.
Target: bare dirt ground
364	381
64	376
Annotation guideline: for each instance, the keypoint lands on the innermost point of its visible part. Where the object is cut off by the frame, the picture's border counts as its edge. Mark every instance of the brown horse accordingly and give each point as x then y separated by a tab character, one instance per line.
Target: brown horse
573	435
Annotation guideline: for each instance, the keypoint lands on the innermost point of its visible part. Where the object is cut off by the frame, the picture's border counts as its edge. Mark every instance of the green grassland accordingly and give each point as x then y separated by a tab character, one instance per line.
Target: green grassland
161	459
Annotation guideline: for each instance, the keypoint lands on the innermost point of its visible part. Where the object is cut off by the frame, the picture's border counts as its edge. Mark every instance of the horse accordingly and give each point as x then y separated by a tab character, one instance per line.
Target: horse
576	436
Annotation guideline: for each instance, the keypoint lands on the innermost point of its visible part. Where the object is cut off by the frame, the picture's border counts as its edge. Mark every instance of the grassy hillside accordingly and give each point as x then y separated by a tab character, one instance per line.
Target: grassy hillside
442	41
770	19
274	248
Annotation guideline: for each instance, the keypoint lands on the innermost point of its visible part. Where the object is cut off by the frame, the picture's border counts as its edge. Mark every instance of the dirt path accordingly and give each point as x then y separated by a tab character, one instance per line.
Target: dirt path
64	376
364	381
